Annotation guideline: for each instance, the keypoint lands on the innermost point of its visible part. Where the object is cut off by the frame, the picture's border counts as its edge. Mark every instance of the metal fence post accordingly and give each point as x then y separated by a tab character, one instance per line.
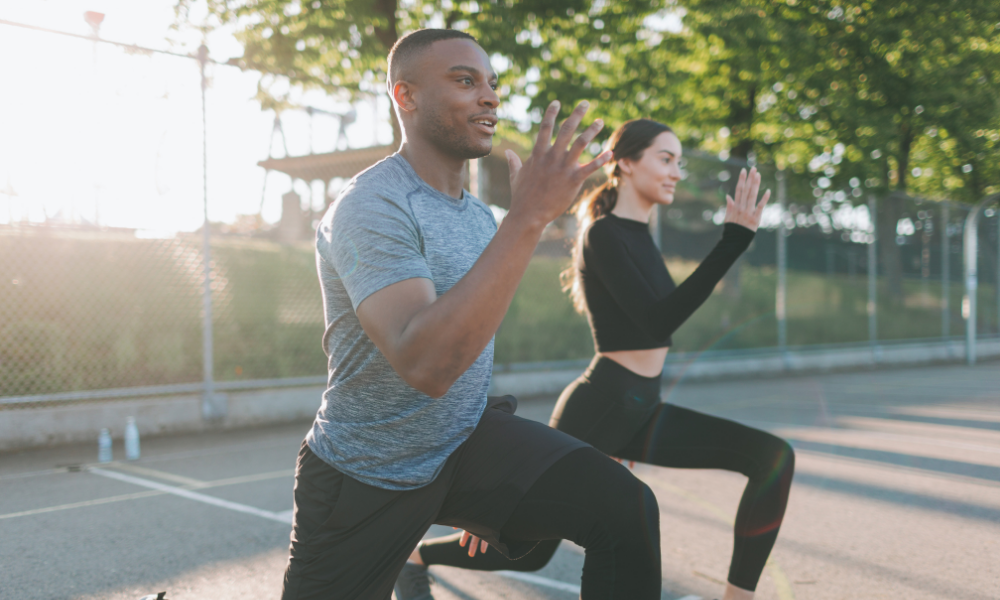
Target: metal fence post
872	280
780	295
945	271
212	406
970	245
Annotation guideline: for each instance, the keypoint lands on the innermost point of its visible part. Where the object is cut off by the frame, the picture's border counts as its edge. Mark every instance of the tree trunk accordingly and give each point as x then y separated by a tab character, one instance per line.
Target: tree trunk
740	122
890	211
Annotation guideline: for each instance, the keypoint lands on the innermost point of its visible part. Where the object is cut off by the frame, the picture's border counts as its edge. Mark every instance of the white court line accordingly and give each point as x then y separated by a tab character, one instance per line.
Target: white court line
557	585
99	501
176	491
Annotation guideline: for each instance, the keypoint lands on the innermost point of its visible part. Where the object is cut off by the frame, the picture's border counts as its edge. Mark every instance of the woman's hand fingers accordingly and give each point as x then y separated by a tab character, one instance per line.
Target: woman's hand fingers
742	207
751	204
740	193
763	203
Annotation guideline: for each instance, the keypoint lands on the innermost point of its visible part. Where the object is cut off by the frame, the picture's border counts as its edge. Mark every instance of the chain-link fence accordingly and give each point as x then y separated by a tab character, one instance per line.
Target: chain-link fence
823	270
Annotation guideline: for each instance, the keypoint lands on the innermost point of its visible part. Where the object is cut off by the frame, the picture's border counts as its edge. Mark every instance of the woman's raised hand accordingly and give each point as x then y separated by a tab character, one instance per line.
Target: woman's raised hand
744	209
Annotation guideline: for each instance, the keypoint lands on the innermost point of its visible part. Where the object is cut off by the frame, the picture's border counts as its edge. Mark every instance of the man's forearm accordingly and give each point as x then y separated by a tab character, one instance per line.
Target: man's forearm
442	340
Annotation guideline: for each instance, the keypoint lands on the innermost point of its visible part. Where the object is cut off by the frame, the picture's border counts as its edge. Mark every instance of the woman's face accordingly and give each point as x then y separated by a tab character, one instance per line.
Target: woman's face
654	176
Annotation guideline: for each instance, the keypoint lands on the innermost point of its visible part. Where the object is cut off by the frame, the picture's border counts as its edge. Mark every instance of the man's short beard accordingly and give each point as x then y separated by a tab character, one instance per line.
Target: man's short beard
438	132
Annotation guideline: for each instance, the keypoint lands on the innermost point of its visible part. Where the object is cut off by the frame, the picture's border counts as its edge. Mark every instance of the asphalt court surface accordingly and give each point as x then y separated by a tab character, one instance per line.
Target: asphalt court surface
896	495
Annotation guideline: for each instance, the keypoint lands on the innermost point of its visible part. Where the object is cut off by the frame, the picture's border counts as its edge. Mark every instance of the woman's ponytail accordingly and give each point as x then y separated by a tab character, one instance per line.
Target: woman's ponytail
628	141
592	206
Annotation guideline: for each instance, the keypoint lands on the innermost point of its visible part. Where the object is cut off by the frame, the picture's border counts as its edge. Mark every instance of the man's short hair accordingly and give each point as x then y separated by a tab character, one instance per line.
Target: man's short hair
412	44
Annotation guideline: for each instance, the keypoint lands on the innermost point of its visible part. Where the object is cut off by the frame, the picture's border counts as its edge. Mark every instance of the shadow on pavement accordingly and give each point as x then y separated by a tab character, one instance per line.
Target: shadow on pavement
865	490
938	465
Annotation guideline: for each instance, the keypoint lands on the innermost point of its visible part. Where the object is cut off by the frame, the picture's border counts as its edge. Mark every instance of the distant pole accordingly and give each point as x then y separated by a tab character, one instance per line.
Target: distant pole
94	19
996	282
970	245
872	280
945	271
210	406
781	244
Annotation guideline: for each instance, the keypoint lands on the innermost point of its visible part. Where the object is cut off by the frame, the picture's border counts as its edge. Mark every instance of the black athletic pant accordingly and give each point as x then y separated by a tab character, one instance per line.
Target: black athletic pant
350	540
619	412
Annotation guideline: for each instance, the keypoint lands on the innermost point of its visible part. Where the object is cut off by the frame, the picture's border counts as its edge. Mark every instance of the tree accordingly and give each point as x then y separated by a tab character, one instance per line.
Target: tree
901	89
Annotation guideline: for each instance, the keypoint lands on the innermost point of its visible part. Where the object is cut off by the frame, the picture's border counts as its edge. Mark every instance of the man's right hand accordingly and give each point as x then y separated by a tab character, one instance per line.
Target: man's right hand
548	182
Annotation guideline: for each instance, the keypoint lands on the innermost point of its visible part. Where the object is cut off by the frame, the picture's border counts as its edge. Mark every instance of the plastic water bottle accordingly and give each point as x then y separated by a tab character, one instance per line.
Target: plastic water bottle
131	439
104	446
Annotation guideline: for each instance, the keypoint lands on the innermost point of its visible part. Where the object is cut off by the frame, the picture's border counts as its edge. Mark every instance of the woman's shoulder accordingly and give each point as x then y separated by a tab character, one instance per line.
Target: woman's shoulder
605	230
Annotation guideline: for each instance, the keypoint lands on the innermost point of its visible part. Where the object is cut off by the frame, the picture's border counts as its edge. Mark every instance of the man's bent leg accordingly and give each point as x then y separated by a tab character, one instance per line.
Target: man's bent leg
350	540
597	503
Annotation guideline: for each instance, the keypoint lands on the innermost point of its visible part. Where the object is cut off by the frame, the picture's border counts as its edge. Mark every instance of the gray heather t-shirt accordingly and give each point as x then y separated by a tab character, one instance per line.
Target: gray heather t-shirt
386	226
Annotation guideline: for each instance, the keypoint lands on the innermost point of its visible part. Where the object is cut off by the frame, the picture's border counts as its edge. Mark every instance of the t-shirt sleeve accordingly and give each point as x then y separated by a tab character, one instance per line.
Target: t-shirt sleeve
609	257
371	242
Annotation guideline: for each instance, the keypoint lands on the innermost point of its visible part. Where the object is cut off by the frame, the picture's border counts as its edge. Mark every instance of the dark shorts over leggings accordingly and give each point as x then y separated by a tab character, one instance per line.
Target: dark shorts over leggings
504	484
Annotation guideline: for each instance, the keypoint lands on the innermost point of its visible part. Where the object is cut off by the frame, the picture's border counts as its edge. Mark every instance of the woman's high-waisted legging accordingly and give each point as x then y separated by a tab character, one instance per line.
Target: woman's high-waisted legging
620	413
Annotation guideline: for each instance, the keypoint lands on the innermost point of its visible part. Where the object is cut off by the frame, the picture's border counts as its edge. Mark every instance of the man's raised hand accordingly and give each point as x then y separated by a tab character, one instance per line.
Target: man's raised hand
549	180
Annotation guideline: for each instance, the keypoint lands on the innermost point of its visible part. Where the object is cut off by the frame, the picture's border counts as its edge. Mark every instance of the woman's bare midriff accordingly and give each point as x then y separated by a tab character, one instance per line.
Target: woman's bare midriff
648	363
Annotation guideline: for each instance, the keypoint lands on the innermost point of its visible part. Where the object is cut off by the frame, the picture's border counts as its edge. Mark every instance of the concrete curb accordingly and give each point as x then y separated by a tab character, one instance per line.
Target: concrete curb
81	421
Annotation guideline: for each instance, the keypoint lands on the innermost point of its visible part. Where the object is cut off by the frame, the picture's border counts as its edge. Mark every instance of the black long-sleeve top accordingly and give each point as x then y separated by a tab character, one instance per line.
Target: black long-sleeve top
632	302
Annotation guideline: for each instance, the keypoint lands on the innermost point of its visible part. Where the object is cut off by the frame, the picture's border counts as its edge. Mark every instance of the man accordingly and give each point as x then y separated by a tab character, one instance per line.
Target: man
416	279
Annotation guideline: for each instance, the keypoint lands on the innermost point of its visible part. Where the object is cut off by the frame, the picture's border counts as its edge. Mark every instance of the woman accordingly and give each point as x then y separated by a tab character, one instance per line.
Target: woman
619	281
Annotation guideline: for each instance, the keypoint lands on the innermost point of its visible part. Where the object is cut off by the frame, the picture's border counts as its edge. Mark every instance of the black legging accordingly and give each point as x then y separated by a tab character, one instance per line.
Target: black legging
619	413
622	551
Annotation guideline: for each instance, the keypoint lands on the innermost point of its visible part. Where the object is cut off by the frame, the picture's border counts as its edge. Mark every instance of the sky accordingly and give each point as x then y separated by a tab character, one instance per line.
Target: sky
91	133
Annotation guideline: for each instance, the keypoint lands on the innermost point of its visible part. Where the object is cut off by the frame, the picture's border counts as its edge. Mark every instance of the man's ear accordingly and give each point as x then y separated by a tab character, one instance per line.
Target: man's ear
402	95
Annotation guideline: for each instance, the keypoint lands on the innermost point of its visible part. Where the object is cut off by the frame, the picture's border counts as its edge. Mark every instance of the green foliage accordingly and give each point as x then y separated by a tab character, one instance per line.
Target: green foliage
540	324
885	82
270	316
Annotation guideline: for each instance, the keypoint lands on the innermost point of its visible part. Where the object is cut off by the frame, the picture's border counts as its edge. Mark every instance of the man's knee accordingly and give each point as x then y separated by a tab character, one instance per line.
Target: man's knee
629	512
